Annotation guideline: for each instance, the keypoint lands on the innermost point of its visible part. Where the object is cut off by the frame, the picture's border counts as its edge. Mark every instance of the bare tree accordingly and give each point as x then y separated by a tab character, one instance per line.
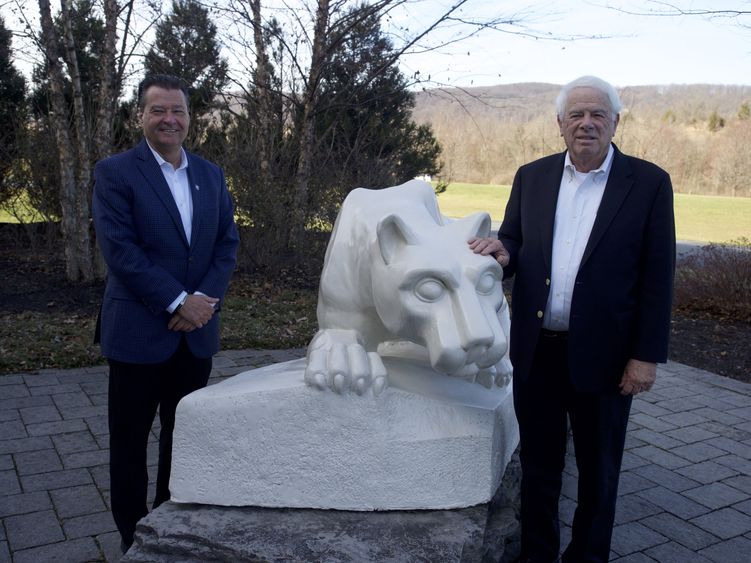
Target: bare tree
290	50
74	198
110	79
83	131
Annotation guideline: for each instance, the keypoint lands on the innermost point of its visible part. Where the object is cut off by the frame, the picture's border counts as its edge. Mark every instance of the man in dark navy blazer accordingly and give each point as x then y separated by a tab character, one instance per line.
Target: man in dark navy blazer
589	236
164	222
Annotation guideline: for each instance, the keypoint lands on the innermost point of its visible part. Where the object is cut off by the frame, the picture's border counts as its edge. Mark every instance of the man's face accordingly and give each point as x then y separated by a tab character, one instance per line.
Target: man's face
165	119
588	125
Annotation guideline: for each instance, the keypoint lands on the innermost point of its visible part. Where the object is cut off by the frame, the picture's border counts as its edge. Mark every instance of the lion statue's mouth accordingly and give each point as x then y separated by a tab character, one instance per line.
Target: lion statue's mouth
474	363
467	371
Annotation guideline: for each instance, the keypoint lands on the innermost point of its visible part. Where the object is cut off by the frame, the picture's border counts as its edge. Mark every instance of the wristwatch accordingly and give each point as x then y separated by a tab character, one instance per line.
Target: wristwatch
179	305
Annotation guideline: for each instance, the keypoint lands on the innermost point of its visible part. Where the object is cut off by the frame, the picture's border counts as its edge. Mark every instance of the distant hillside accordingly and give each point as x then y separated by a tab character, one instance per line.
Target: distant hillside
529	100
520	101
700	133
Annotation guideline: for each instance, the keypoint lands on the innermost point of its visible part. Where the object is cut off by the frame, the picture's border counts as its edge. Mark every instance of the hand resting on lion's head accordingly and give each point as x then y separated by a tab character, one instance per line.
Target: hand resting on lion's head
399	275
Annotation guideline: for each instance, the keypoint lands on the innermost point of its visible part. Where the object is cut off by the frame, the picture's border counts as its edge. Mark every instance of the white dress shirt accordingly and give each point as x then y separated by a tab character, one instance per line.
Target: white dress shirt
179	187
578	200
177	180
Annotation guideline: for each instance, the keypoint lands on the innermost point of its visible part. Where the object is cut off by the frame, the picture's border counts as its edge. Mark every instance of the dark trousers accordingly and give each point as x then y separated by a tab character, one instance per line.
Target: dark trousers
135	392
598	421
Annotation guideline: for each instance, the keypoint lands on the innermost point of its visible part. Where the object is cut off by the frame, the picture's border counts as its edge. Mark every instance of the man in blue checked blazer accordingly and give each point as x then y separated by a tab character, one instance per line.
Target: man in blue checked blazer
164	222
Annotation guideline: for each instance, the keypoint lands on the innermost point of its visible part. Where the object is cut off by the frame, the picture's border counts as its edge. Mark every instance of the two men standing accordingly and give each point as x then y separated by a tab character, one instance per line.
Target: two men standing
589	236
164	222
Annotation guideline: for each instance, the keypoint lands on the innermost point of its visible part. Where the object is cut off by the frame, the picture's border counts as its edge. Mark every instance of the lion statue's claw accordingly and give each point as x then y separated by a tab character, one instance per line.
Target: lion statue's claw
338	361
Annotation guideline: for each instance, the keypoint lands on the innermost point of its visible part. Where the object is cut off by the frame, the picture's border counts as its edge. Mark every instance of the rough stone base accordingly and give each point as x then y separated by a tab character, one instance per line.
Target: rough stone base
193	533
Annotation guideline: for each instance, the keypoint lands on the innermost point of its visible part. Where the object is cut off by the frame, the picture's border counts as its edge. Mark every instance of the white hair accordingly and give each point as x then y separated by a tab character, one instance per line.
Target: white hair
588	82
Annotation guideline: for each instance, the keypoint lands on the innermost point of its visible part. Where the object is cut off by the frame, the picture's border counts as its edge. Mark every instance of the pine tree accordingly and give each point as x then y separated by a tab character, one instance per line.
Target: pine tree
715	122
12	107
365	123
744	112
301	146
186	46
364	130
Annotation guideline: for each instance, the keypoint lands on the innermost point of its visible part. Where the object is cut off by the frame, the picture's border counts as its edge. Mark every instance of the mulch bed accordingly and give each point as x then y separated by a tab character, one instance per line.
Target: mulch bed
721	346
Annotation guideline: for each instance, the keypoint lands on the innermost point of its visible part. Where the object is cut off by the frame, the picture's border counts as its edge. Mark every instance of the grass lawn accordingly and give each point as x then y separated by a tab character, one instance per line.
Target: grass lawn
712	218
24	208
34	340
698	217
6	217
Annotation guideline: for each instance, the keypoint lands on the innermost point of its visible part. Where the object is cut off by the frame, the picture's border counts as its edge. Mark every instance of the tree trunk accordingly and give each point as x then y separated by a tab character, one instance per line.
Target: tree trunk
262	93
275	241
75	225
80	236
307	126
108	92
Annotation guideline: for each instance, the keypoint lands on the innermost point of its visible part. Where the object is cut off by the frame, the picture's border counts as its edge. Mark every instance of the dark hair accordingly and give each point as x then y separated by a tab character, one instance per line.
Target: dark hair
166	81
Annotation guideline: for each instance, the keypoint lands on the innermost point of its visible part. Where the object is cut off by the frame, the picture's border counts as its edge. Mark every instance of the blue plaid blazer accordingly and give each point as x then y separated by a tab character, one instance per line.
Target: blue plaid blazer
149	258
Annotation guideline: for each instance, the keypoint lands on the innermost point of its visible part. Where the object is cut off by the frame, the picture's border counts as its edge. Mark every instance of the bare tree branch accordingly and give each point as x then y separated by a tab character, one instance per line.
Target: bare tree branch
671	10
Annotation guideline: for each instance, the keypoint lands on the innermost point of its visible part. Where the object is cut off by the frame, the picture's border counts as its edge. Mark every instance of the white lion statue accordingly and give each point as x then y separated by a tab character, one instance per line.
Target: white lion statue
402	301
400	280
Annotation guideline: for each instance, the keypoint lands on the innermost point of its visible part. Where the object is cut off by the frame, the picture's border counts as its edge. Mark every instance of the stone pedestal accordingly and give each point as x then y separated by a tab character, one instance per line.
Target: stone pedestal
264	438
199	533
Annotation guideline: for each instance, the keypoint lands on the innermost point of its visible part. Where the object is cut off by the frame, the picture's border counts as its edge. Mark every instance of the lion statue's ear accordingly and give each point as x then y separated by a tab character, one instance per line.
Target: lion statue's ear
475	225
393	234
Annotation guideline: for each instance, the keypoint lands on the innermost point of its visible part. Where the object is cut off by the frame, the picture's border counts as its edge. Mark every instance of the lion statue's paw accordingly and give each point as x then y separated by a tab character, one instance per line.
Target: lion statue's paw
338	361
498	375
486	377
504	372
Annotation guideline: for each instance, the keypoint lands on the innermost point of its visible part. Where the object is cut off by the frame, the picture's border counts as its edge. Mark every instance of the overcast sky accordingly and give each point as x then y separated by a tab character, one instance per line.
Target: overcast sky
633	50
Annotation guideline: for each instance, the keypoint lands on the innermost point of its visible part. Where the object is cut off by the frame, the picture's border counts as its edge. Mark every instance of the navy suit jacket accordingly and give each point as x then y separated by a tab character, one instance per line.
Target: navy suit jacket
623	291
149	259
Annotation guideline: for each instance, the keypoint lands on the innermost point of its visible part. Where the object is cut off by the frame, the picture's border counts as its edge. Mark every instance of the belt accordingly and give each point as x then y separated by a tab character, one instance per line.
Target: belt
560	334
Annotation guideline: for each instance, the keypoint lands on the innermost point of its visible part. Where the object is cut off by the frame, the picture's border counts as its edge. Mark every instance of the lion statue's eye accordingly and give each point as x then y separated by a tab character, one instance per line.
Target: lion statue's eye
486	284
430	290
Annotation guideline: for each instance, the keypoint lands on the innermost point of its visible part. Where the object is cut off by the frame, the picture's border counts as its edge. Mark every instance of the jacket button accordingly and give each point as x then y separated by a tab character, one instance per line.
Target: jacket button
547	281
539	314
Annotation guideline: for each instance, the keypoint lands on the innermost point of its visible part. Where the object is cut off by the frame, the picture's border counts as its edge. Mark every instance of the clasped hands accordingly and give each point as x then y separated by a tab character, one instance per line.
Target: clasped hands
195	313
